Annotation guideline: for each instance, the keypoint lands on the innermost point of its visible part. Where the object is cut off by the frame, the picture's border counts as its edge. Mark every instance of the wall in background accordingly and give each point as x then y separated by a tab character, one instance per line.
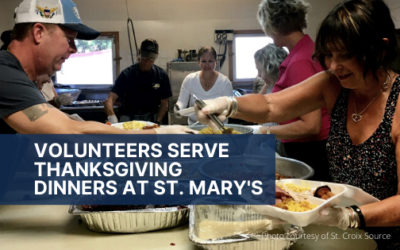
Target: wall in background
175	24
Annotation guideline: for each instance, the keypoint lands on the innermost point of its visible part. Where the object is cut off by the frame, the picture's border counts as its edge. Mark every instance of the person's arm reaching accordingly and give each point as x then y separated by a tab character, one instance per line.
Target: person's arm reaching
45	119
109	107
162	110
282	106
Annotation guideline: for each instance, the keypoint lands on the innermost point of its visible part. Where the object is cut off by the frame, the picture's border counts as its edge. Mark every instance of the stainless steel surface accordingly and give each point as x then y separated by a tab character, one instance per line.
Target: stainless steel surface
293	168
283	166
177	71
238	241
240	128
132	221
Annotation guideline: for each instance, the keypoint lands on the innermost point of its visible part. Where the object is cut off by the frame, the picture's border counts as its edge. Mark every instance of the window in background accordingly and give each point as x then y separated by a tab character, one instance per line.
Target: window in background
93	66
244	47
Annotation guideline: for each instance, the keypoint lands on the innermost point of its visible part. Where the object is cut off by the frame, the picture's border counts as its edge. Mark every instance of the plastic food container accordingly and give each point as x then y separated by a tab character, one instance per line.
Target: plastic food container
303	219
73	92
222	216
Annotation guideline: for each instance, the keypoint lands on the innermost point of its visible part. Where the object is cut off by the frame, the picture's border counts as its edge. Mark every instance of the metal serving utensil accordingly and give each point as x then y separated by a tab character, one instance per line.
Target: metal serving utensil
213	117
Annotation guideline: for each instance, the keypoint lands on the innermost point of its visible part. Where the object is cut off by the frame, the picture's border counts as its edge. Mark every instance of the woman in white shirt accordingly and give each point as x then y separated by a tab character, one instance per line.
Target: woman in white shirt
204	84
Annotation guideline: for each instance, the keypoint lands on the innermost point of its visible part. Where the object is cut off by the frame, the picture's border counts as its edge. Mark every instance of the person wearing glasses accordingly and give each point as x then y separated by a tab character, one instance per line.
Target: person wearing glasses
204	84
143	89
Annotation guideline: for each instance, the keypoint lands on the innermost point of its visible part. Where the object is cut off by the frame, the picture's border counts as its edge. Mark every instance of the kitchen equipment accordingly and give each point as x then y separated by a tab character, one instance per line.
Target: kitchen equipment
283	166
213	117
132	221
192	56
73	92
240	128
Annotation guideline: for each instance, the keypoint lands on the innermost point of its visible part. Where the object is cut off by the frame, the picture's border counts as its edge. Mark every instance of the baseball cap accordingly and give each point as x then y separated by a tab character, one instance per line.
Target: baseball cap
61	12
149	48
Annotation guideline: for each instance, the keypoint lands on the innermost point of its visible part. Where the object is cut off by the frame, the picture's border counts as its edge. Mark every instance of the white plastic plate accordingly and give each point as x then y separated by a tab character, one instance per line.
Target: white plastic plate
186	112
303	219
120	126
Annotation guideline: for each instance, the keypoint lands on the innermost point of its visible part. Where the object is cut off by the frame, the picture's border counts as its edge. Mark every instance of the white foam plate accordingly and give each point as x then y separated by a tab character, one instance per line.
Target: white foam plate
186	112
303	219
120	126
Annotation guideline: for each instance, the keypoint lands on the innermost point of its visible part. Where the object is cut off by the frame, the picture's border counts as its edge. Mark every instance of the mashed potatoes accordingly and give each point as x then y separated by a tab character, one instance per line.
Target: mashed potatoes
133	125
210	131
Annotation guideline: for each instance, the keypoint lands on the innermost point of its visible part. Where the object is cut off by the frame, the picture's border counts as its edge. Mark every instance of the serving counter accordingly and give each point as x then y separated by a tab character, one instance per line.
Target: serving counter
53	228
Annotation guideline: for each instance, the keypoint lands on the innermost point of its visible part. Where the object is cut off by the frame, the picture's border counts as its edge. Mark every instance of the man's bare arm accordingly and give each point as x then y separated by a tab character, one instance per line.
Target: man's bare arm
45	119
35	112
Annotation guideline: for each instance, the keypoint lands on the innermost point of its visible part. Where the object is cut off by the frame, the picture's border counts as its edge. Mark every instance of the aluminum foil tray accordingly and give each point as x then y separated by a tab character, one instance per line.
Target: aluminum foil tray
132	221
261	239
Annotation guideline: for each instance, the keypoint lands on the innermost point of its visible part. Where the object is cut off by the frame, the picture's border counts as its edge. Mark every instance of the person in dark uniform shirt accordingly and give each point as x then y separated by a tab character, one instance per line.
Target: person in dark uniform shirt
143	88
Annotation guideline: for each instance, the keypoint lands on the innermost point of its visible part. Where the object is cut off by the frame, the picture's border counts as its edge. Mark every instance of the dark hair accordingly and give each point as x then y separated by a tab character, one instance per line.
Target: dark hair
21	30
357	28
6	39
206	49
150	45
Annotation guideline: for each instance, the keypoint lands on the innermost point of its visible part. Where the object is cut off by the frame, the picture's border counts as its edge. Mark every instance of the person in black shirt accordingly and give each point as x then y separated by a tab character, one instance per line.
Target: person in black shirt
143	88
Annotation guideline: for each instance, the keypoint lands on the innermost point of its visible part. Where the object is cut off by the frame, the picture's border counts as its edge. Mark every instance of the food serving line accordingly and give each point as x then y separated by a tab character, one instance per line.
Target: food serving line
53	227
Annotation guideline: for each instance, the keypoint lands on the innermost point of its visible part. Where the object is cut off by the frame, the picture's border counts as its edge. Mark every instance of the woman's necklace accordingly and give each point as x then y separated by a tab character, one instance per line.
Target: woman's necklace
358	116
206	83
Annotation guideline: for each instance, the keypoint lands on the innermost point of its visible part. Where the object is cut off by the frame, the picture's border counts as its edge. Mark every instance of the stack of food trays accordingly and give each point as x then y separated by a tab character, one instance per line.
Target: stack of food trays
307	217
237	227
133	220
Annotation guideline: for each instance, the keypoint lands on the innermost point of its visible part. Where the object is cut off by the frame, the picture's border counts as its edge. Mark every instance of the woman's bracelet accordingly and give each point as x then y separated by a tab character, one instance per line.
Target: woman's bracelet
360	216
356	218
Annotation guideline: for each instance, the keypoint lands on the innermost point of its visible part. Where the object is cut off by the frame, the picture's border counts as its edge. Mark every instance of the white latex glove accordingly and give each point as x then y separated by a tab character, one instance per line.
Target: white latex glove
334	216
63	99
219	106
112	119
176	109
175	129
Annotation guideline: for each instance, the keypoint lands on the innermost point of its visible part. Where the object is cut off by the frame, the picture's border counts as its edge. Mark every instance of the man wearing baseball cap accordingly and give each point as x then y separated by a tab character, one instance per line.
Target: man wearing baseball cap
42	39
143	88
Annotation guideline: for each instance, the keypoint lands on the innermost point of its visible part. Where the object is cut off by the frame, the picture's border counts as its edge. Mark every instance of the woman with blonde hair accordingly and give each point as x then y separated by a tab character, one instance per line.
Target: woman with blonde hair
304	137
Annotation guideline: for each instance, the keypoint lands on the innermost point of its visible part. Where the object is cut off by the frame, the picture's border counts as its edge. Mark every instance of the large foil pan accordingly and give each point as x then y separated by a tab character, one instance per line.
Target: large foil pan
132	221
240	128
269	238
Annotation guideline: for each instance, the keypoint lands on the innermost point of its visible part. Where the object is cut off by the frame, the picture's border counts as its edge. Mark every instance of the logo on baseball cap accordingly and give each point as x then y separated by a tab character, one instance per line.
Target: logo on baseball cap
149	48
61	12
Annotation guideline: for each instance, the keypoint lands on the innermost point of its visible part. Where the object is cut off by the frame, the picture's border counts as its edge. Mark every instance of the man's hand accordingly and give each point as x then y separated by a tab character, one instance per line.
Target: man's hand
64	99
219	106
175	129
112	119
